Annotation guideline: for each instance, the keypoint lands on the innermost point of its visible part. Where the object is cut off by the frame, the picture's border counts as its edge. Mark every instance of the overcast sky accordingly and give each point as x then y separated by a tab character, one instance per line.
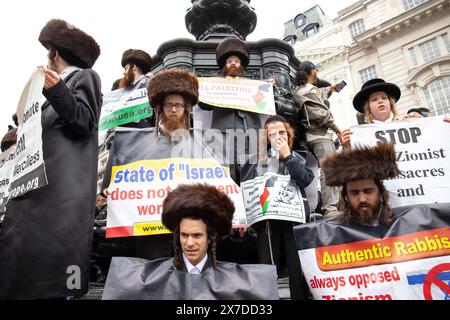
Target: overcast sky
116	26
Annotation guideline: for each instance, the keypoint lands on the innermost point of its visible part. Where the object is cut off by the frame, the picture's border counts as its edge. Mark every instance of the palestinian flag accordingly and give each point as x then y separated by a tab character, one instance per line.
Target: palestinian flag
264	197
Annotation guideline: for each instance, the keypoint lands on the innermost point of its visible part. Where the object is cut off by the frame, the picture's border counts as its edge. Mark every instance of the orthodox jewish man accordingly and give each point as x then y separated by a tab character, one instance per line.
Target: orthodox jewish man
232	56
46	236
364	199
198	215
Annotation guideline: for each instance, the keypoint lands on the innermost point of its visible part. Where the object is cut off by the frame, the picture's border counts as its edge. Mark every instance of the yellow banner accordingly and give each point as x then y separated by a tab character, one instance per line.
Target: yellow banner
149	228
238	93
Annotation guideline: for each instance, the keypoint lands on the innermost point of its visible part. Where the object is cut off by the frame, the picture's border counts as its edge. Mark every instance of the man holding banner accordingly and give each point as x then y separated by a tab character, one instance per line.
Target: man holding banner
46	237
128	105
232	56
375	253
172	93
148	163
136	65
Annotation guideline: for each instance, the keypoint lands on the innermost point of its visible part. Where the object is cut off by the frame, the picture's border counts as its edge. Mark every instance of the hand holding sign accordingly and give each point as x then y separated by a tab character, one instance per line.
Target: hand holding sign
51	78
345	138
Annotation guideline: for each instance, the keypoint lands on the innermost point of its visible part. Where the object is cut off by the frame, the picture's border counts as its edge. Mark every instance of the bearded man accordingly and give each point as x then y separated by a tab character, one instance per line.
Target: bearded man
136	66
172	93
364	199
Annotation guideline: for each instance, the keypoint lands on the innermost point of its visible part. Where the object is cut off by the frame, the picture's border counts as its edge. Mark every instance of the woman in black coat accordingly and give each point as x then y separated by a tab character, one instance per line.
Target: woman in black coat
275	238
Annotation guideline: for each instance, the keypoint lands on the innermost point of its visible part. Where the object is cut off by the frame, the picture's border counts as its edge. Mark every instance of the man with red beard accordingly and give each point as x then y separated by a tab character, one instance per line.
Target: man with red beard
173	93
232	56
364	199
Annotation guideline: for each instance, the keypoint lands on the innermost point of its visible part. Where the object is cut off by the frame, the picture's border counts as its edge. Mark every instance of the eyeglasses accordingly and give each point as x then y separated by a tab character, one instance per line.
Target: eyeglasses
178	106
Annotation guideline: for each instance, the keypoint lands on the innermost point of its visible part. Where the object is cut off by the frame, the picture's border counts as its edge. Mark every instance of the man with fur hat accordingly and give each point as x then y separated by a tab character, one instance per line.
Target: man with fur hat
198	215
364	199
172	93
136	75
232	56
46	237
136	66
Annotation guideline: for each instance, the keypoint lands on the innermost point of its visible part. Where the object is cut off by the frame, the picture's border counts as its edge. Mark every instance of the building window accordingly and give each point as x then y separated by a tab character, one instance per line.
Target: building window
367	74
446	41
430	50
311	30
437	94
412	54
290	39
410	4
357	27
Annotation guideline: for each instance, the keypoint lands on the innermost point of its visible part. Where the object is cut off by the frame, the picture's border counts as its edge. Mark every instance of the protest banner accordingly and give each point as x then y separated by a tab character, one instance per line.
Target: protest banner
408	259
272	196
125	105
146	167
422	151
242	94
29	167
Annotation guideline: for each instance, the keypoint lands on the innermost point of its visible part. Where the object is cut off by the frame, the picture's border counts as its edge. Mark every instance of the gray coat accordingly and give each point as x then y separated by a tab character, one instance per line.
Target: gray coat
46	235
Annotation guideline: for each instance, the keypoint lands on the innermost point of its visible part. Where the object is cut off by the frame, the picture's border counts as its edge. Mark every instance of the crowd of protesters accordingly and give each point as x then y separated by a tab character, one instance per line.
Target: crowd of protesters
49	229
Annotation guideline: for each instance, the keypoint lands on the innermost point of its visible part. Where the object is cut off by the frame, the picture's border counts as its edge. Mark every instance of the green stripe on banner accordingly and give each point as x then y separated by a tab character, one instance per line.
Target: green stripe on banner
265	207
126	115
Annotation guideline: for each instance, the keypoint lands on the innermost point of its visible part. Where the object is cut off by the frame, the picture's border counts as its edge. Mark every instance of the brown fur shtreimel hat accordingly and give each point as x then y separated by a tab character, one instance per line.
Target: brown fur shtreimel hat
377	162
61	35
200	201
173	81
232	46
138	57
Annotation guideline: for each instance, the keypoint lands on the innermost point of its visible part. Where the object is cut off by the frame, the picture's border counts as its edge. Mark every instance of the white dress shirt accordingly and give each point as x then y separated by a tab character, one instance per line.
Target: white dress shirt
198	267
63	75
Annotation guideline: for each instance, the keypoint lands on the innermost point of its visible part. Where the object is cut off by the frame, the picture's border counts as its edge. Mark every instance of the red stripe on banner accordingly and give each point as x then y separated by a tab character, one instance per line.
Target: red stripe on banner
264	196
117	232
412	246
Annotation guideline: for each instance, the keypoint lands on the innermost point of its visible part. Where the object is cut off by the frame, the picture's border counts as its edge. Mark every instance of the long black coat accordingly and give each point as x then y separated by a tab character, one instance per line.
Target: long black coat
46	235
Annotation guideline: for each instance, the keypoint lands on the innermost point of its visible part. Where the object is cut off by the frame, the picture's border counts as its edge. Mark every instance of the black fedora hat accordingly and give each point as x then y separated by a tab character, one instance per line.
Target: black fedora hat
372	86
